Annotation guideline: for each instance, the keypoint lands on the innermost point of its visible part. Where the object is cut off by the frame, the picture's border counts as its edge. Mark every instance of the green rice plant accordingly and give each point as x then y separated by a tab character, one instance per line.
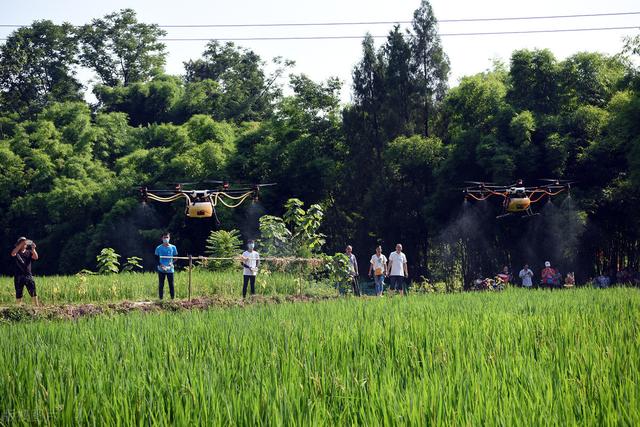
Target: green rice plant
86	288
517	357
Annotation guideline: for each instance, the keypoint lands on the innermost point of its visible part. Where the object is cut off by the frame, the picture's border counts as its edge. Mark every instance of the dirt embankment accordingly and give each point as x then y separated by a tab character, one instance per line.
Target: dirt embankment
76	311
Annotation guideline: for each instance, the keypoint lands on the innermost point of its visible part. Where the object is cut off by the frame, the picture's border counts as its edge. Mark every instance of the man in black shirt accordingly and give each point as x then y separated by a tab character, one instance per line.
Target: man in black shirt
24	254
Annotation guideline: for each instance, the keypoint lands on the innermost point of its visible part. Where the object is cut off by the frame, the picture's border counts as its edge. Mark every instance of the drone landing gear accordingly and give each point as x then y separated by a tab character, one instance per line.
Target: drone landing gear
215	216
527	214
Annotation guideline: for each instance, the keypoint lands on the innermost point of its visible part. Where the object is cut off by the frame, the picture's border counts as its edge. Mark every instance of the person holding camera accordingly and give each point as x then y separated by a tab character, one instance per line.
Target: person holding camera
24	254
526	275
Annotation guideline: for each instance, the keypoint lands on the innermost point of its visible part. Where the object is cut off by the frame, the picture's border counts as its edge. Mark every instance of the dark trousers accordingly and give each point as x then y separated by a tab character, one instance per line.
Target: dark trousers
246	280
355	286
397	283
20	282
169	277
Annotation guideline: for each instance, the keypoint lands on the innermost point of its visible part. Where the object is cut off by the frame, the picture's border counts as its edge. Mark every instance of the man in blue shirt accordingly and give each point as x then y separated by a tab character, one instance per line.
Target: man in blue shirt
164	252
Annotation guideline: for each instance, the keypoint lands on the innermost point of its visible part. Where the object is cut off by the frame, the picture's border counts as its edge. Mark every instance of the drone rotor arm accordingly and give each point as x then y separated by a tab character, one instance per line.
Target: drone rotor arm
498	193
544	192
480	197
537	199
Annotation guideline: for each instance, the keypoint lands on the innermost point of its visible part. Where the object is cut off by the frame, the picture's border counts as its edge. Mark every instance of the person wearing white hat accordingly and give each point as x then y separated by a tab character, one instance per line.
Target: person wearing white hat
548	275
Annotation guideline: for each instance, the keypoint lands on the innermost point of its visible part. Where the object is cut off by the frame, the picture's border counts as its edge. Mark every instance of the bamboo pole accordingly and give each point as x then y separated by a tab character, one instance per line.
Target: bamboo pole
190	267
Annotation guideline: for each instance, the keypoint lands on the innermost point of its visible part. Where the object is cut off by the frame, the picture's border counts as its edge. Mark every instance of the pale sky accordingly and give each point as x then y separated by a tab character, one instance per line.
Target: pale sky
321	59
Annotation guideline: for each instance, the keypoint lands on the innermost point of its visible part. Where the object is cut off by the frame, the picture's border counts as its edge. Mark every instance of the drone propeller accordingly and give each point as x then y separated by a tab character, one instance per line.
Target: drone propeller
557	181
149	190
479	183
206	181
249	187
474	190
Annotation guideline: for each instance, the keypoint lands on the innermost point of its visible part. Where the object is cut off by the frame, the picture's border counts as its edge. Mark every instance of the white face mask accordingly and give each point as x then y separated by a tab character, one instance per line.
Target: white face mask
250	246
165	240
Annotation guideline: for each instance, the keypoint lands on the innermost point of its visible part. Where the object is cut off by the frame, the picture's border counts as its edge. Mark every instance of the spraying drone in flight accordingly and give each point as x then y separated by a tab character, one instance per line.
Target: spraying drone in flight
517	198
203	203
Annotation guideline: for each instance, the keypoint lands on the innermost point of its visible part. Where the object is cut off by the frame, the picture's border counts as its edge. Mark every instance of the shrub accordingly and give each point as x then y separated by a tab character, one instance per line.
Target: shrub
108	261
222	244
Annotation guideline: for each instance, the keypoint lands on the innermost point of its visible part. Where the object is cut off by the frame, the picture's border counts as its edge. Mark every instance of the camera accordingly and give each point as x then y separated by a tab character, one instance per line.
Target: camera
29	244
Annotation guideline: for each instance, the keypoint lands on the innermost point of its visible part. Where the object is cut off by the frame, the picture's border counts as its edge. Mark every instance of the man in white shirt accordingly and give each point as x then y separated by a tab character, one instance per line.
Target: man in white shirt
398	269
250	264
526	275
353	270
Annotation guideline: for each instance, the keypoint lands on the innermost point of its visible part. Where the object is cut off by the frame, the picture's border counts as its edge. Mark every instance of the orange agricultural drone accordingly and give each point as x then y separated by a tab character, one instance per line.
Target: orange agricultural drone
203	203
517	197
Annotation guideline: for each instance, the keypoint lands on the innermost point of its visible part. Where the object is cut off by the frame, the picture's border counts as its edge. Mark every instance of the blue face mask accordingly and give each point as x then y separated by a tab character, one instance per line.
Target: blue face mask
250	245
165	240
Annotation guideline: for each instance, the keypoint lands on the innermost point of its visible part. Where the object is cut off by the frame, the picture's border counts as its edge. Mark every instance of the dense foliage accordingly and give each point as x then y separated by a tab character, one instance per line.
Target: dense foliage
382	169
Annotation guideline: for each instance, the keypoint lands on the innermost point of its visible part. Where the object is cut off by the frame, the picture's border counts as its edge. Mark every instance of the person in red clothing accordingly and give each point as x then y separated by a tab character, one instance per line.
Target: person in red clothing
548	275
505	276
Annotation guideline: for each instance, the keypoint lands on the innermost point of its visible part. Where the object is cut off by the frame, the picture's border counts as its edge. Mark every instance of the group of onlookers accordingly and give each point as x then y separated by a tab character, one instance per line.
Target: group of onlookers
624	276
550	277
394	267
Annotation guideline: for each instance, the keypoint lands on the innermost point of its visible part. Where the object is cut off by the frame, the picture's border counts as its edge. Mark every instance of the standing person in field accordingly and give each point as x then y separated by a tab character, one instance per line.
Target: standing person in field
548	275
353	270
398	269
378	265
250	263
505	275
526	275
164	256
24	253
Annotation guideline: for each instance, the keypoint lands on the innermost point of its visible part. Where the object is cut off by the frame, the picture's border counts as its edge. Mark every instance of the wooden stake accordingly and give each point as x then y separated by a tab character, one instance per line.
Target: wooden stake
190	267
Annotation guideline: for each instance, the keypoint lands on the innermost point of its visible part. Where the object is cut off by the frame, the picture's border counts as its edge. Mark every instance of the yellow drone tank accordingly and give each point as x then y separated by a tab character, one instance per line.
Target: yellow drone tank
518	204
199	210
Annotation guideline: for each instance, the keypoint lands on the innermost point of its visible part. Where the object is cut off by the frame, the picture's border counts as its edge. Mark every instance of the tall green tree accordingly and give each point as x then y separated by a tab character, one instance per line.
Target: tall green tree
37	67
534	76
590	78
121	50
301	147
398	85
245	90
430	64
368	93
156	101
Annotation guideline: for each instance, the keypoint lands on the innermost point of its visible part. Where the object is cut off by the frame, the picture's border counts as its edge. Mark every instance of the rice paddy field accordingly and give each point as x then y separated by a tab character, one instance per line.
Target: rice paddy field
511	358
144	286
